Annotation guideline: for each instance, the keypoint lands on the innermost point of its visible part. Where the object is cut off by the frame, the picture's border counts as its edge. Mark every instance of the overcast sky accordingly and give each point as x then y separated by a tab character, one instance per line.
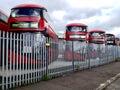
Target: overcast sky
97	14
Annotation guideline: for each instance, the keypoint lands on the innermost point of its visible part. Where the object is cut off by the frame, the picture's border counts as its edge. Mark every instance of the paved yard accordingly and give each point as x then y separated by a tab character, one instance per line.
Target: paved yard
88	79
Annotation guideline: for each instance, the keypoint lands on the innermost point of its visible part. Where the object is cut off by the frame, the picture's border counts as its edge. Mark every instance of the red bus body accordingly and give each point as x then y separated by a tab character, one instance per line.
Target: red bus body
3	21
76	31
3	28
42	25
33	19
110	39
117	41
97	37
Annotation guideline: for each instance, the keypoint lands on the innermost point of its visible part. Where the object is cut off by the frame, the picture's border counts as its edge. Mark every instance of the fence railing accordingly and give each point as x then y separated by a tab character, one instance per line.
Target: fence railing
28	58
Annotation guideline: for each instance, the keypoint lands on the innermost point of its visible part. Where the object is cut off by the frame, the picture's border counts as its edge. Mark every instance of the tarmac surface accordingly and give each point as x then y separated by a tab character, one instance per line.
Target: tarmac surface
89	79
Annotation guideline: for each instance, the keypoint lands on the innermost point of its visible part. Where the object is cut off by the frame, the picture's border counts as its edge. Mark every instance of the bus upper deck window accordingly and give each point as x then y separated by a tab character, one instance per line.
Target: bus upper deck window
76	29
25	12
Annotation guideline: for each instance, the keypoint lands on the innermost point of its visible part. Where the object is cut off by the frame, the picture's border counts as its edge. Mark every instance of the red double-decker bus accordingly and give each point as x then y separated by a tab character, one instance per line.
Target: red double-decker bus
31	18
3	29
117	41
32	23
76	31
3	21
97	37
110	39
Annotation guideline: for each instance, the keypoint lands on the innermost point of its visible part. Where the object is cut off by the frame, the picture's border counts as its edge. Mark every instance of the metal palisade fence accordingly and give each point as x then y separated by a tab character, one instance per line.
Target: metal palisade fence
28	58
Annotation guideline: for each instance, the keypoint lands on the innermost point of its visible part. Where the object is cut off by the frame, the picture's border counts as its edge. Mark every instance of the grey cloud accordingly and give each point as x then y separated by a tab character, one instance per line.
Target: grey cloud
82	13
72	13
111	23
86	13
53	5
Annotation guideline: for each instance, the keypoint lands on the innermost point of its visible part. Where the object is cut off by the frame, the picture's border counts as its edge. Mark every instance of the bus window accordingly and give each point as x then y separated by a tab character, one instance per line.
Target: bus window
25	12
76	29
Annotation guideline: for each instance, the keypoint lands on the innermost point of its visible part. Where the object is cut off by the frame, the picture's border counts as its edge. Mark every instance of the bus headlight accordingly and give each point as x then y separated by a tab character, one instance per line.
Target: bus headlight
82	36
24	25
34	25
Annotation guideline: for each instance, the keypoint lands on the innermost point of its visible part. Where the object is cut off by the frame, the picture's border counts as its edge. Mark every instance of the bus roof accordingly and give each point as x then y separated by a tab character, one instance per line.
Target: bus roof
28	6
116	37
1	12
77	24
96	31
109	34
